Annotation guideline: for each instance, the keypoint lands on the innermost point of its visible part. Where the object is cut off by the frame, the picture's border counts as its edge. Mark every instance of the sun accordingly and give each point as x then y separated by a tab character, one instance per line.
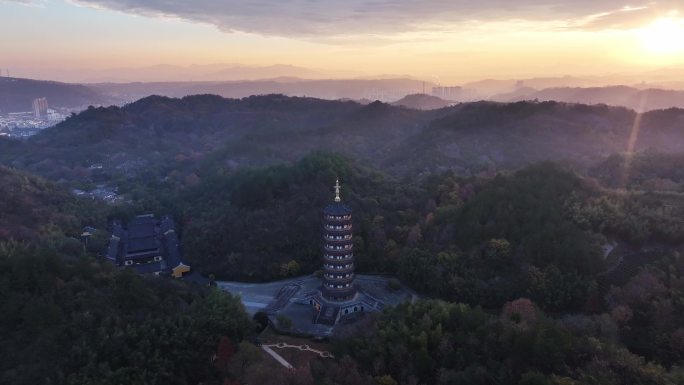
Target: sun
664	36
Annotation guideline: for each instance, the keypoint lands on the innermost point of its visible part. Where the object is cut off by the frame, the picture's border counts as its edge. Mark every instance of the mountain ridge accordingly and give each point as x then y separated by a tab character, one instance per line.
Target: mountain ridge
17	94
184	134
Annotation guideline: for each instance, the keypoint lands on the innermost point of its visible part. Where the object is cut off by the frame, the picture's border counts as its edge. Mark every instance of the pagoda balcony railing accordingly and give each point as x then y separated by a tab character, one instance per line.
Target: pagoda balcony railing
332	291
337	248
333	278
337	218
338	265
339	268
338	239
341	271
336	288
338	228
337	236
338	258
337	253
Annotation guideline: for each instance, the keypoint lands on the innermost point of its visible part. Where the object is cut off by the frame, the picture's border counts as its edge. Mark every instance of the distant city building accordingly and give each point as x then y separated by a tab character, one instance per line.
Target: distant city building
53	116
40	108
147	245
447	93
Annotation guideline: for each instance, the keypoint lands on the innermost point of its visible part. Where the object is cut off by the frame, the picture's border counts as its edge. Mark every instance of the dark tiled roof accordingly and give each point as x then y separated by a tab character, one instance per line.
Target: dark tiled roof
145	237
337	209
142	232
172	255
113	250
167	224
148	268
141	255
170	242
139	245
114	247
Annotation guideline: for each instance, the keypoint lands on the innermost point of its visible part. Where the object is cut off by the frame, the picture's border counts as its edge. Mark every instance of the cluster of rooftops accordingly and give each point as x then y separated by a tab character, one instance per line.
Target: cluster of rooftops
148	245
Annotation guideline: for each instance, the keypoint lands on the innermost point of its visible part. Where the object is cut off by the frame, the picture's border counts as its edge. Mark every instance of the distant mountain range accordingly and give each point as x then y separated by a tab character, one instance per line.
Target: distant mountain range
630	97
371	89
186	73
212	72
667	78
17	94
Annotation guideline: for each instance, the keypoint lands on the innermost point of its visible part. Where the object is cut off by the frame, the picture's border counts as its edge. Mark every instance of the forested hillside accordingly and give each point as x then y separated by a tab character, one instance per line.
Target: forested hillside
31	206
481	240
82	322
565	272
68	318
173	137
432	342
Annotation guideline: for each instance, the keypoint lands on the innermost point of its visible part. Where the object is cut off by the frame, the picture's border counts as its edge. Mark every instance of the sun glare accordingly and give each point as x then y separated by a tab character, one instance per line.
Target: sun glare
664	36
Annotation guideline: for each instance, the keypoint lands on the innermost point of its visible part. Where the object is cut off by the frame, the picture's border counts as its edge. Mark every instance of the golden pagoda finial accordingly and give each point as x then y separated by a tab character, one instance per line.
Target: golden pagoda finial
337	190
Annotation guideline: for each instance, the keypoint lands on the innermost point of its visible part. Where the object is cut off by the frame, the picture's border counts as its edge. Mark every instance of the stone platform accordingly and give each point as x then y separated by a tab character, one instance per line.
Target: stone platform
291	299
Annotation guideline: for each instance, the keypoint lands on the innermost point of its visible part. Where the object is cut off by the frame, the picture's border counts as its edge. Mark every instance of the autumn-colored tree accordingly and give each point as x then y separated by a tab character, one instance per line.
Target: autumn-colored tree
522	311
224	353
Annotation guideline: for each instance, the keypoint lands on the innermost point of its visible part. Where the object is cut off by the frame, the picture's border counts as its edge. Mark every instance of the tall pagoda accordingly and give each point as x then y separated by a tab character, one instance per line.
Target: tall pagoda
338	251
338	295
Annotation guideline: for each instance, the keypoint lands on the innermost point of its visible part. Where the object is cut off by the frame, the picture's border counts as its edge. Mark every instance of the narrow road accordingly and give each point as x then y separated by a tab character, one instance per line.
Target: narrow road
277	357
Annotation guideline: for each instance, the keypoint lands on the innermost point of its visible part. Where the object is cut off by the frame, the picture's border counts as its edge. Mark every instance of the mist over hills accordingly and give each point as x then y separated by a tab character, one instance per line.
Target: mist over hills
193	72
630	97
16	94
160	134
210	72
381	89
664	78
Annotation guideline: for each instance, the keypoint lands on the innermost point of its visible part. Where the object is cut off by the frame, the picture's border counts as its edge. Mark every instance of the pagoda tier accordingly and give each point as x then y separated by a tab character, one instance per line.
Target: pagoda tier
338	253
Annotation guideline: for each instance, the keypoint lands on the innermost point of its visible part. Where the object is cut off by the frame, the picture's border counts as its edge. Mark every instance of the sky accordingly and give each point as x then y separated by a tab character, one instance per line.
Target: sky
446	41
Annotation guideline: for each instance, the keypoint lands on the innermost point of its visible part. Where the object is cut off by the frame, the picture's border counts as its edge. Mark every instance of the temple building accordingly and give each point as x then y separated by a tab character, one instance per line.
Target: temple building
147	245
338	295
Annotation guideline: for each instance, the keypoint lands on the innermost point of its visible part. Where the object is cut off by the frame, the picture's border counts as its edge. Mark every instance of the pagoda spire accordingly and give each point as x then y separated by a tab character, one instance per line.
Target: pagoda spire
337	190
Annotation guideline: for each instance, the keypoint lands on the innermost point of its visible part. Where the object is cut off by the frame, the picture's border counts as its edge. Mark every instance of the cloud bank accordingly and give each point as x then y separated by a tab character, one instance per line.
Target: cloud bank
331	18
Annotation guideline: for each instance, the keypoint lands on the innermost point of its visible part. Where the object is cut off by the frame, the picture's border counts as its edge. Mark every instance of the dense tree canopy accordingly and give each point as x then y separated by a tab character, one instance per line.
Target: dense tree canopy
433	342
80	322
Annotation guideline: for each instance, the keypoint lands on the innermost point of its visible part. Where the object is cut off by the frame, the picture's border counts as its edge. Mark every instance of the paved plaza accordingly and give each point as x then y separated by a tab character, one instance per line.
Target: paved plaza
290	299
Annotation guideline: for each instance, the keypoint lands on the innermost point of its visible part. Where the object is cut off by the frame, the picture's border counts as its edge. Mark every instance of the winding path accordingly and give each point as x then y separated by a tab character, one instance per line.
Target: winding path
283	345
